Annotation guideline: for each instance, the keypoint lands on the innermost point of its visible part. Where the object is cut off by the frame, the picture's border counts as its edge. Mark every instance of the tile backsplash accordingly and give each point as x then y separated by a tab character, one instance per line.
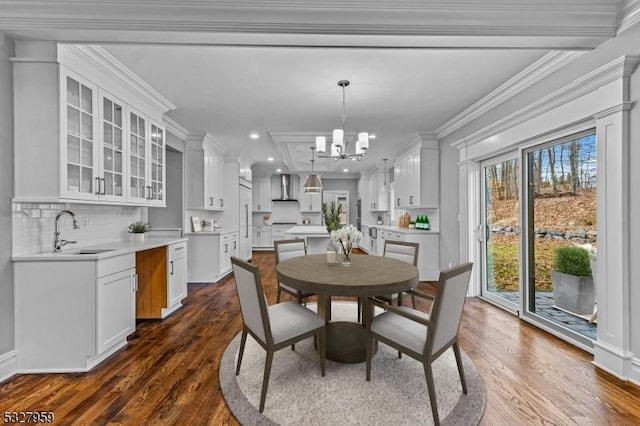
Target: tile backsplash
33	225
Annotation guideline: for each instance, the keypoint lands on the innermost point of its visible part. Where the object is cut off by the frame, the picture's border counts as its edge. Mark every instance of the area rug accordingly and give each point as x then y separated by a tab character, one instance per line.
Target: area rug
298	394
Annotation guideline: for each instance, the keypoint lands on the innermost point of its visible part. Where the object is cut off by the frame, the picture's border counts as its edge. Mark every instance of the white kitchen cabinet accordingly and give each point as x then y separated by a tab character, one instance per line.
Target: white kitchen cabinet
261	195
209	255
71	125
262	236
205	174
365	243
71	315
428	251
417	181
310	202
176	276
379	199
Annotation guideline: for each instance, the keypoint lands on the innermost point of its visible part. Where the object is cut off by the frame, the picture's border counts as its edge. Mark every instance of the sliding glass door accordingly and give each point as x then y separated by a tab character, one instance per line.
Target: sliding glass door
499	232
560	215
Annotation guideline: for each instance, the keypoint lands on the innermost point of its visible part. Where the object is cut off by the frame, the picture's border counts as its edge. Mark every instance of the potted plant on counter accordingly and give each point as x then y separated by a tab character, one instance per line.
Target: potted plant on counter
572	279
139	230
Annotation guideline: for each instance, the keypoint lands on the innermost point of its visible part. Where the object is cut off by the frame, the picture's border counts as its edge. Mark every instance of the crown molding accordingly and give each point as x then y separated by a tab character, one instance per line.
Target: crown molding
175	128
621	67
533	74
628	14
101	60
204	140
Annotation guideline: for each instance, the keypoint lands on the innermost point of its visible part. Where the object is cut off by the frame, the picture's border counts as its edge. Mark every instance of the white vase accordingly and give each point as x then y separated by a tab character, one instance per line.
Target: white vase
138	237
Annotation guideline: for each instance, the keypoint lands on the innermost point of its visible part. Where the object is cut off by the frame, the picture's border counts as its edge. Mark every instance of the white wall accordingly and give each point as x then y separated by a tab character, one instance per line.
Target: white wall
449	207
623	341
171	216
6	193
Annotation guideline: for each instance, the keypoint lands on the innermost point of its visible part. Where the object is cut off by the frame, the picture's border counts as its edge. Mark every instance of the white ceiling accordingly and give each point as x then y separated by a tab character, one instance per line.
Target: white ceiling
236	67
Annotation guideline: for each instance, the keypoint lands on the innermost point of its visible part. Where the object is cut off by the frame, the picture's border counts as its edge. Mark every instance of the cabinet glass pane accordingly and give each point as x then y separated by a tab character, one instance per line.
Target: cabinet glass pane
87	126
73	92
154	172
117	137
108	134
117	115
141	152
160	158
87	96
73	120
141	167
108	159
87	179
134	123
141	128
154	152
107	107
73	149
87	152
134	166
117	184
73	178
134	145
134	187
117	161
108	183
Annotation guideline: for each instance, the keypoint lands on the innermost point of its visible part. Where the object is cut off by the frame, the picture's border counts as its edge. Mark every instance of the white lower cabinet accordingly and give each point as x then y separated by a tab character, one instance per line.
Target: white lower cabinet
428	251
71	315
176	276
210	254
262	236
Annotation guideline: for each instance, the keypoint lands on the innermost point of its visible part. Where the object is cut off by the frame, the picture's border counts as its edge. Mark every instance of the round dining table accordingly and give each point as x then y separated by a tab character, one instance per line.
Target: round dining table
366	276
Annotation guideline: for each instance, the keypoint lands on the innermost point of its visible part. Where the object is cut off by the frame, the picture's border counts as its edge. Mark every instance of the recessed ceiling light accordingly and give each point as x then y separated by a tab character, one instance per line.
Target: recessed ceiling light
279	170
345	170
254	136
372	136
270	159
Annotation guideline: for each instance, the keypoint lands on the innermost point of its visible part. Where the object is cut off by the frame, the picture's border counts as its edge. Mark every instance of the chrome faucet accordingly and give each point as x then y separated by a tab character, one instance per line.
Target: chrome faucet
57	242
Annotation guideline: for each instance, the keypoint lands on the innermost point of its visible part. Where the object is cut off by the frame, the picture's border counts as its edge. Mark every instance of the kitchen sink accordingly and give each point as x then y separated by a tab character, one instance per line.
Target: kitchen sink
92	251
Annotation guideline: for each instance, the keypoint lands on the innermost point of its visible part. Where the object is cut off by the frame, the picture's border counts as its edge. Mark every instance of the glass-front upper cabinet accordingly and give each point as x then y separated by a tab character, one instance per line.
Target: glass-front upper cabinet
80	178
110	185
157	177
138	157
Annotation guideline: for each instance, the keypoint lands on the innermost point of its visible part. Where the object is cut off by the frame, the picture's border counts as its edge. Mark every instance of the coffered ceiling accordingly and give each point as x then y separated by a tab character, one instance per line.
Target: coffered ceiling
271	67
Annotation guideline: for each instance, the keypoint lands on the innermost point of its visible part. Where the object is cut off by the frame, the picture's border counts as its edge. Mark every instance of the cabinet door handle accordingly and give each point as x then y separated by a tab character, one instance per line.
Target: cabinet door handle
103	184
398	202
97	186
411	199
226	248
134	280
211	201
171	264
235	245
221	202
150	192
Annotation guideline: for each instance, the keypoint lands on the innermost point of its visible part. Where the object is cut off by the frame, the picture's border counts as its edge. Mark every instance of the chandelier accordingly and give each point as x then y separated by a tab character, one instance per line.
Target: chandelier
338	147
313	183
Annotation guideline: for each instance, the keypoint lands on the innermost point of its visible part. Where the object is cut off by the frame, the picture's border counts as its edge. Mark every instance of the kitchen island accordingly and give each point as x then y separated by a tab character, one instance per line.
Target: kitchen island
316	237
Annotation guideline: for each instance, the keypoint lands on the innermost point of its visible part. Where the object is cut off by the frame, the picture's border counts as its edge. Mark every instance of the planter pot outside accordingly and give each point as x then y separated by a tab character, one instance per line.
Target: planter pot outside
574	294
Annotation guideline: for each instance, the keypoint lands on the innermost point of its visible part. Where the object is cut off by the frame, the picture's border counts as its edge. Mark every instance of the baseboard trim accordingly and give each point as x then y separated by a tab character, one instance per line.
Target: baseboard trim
613	360
8	365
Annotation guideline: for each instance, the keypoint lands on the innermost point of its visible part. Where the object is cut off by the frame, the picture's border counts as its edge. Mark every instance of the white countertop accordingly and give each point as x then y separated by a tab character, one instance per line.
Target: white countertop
116	248
308	230
403	230
219	231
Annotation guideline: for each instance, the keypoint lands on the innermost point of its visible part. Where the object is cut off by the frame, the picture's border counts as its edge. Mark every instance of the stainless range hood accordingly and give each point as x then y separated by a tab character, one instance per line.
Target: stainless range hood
285	188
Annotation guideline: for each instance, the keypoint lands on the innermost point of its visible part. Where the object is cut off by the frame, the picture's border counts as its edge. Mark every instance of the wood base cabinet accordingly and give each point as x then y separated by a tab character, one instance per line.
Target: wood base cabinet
71	315
162	280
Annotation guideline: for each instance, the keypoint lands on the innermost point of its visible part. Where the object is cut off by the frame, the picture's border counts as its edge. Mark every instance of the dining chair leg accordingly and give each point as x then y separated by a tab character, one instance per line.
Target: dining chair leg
369	354
428	373
278	294
323	349
359	309
243	340
456	351
265	380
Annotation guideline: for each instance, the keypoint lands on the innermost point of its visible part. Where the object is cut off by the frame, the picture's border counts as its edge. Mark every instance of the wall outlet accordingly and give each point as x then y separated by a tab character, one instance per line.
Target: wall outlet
86	222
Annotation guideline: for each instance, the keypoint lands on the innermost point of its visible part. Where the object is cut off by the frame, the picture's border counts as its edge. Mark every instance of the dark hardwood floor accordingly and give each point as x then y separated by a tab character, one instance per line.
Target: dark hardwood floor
168	374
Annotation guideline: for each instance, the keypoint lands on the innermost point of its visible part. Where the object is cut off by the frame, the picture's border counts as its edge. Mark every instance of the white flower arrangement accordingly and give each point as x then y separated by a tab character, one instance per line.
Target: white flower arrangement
346	237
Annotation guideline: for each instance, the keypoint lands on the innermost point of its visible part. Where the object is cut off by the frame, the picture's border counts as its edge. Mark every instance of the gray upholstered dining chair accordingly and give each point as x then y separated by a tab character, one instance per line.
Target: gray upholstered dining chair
273	327
286	249
400	250
423	336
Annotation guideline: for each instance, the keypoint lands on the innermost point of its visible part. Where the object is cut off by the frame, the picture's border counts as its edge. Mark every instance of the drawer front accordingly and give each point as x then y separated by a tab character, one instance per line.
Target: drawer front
177	250
111	265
